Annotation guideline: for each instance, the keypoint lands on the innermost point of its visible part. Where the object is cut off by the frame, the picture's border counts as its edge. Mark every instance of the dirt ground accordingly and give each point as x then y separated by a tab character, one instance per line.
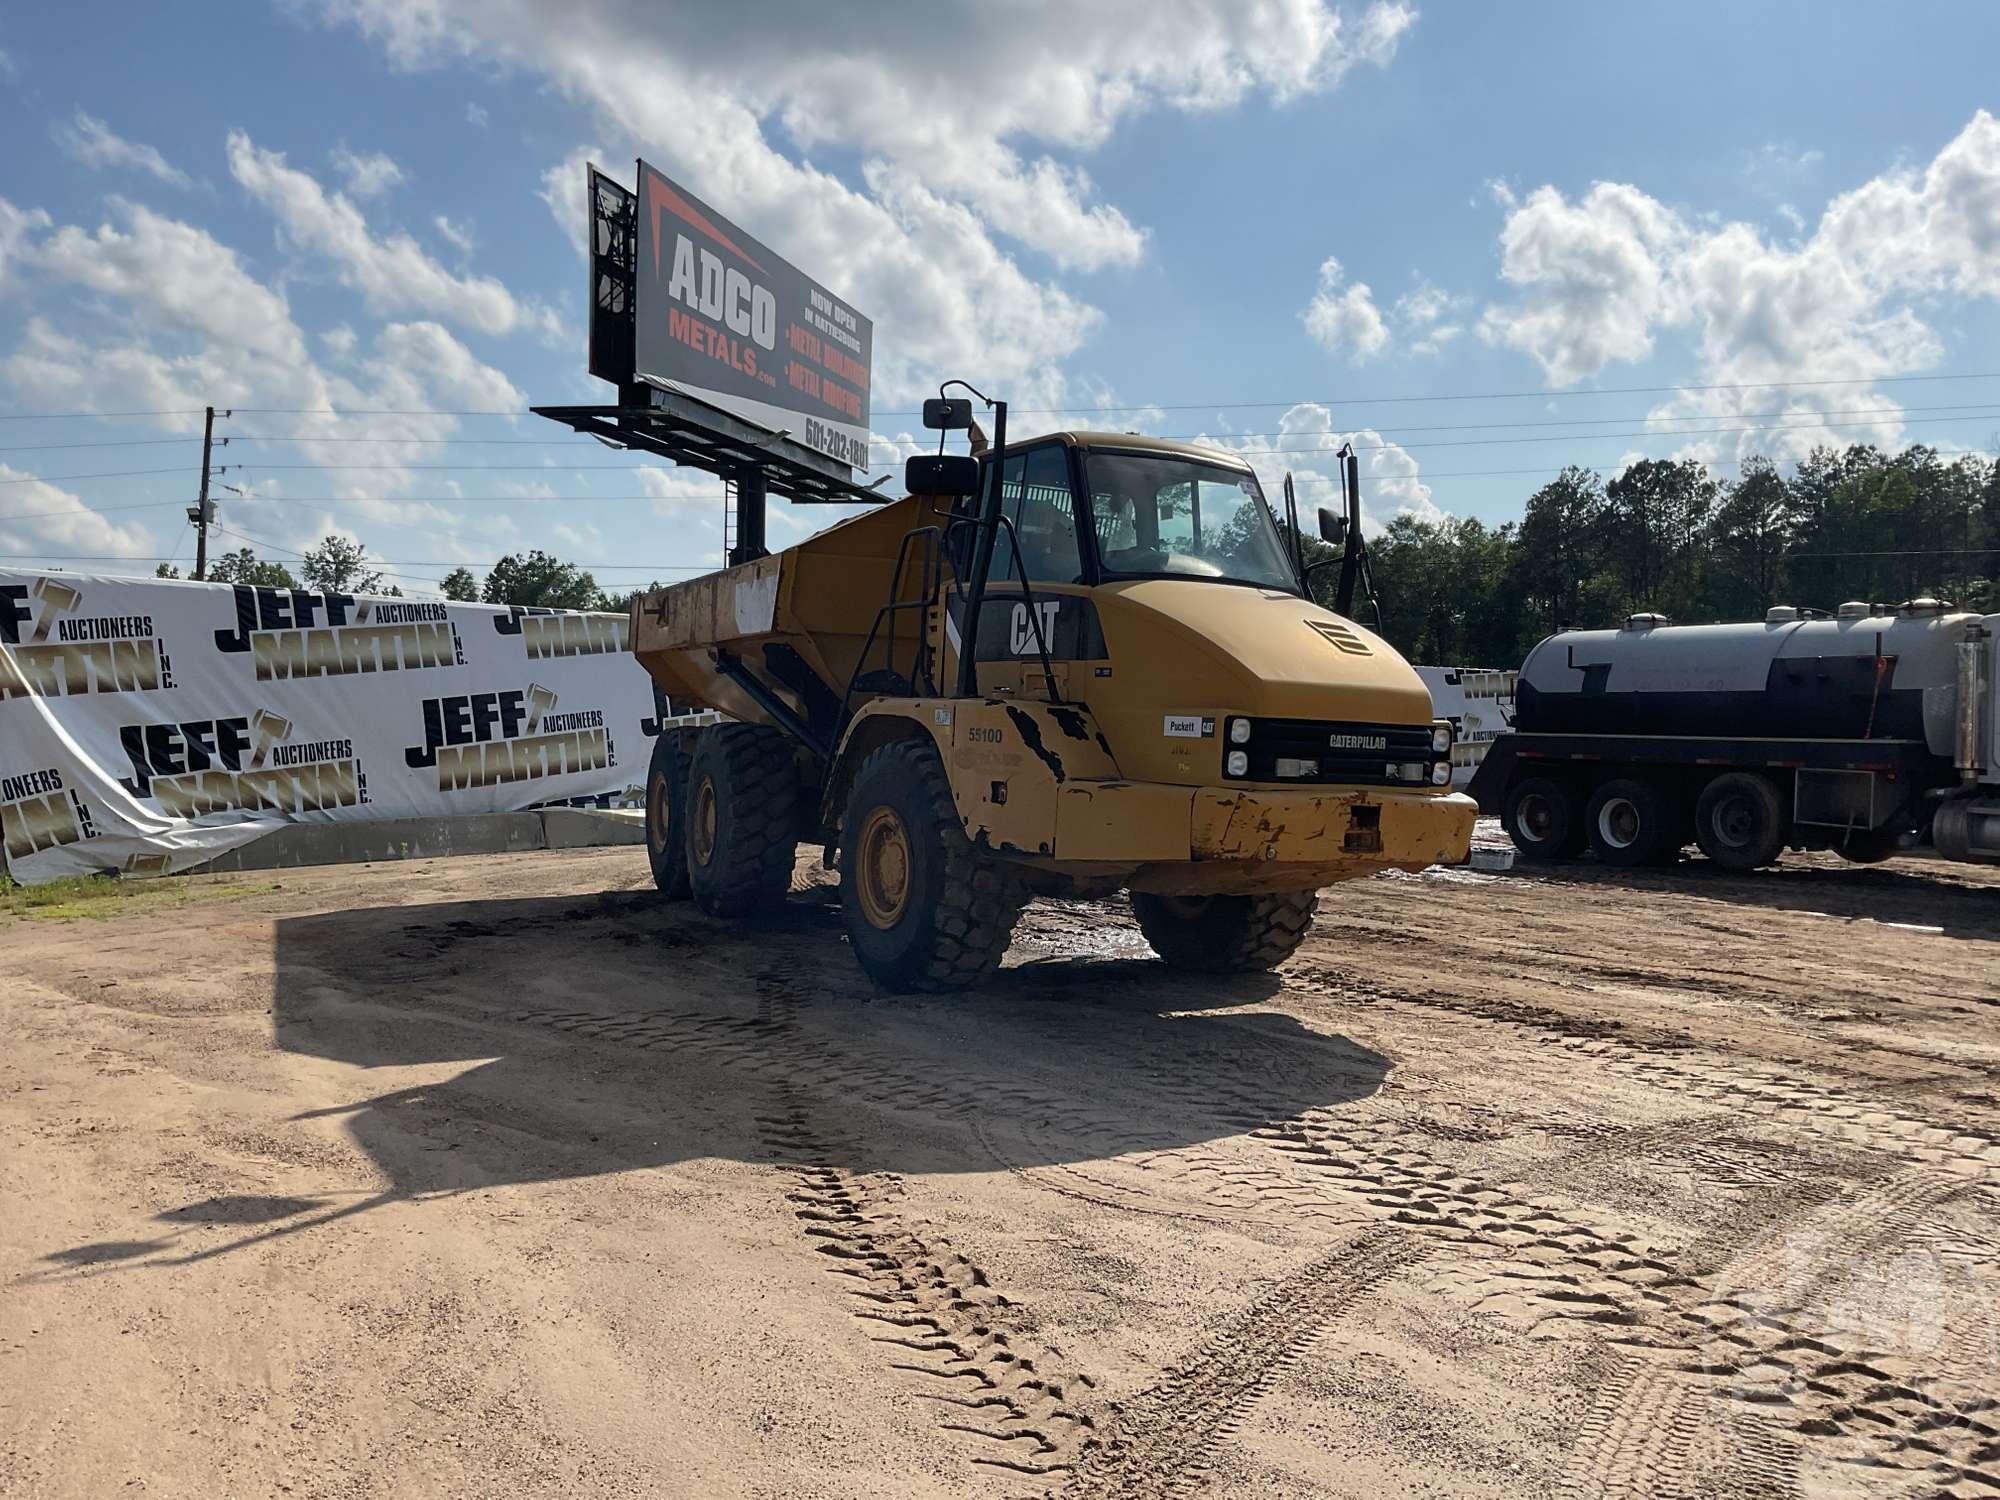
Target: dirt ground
500	1177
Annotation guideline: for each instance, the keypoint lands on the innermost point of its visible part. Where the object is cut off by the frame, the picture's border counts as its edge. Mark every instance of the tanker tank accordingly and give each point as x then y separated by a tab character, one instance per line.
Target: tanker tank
1861	674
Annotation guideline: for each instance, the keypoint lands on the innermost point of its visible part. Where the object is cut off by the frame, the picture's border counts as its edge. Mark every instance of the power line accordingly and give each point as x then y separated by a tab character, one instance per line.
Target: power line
1319	443
92	416
1540	394
95	510
66	478
1807	418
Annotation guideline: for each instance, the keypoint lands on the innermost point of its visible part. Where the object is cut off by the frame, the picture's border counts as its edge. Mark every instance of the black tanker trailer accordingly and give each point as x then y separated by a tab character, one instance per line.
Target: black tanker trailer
1868	732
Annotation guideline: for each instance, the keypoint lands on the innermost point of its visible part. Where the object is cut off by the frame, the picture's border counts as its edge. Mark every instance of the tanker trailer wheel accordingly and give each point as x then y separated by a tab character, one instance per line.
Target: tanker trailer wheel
1870	847
1632	823
1225	934
740	825
923	909
1543	820
666	808
1739	820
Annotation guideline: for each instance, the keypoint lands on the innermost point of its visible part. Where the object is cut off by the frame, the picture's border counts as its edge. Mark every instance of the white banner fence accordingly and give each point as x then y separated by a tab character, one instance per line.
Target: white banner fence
147	725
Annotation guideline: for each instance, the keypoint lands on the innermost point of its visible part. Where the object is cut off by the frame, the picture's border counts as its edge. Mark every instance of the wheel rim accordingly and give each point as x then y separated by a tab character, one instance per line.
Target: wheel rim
658	816
882	867
703	827
1537	816
1618	823
1734	822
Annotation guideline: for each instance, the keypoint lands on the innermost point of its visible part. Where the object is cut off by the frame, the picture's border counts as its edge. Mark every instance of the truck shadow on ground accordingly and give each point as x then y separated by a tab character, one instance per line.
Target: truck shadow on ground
1912	892
610	1033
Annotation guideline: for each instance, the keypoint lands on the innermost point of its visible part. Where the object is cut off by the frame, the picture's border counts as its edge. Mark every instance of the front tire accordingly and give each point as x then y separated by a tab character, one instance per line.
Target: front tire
1631	823
1225	934
1739	821
1541	817
666	811
741	818
923	909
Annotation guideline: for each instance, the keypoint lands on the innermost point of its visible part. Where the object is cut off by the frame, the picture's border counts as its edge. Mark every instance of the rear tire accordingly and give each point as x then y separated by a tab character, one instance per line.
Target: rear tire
1541	817
924	910
740	818
1631	823
666	804
1739	821
1225	934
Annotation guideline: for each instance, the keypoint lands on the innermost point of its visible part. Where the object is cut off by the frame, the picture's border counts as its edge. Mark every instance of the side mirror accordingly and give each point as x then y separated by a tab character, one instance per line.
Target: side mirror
947	414
941	473
1332	528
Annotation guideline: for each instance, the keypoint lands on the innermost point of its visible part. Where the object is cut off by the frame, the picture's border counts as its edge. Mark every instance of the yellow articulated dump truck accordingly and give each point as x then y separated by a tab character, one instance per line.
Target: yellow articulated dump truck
1082	664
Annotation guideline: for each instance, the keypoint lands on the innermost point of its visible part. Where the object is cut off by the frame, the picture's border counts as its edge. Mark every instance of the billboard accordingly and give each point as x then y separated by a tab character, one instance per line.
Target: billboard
149	725
722	318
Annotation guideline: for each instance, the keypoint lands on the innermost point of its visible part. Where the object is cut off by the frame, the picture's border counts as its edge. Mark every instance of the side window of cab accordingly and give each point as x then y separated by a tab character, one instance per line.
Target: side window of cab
1035	495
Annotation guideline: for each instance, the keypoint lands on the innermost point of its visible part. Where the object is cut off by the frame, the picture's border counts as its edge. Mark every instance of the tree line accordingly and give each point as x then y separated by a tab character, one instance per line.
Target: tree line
1664	535
534	578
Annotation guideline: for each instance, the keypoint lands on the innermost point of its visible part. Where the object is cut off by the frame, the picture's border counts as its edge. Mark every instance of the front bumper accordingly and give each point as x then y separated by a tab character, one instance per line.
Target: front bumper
1204	839
1375	828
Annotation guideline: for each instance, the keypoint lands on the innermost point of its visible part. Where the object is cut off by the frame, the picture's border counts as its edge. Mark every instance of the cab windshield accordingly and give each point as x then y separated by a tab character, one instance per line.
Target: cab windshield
1157	514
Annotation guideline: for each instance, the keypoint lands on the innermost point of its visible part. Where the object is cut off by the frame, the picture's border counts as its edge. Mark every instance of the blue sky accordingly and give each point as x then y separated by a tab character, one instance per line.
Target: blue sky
1280	226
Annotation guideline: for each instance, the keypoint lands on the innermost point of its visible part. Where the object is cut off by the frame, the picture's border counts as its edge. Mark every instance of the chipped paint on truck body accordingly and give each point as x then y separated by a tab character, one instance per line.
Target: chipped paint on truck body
1035	782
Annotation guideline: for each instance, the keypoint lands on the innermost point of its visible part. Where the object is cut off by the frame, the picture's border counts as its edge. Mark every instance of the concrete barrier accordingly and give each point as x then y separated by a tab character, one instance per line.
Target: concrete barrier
299	844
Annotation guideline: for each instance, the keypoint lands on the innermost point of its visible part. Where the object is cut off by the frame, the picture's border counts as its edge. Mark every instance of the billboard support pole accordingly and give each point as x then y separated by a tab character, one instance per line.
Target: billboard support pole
750	509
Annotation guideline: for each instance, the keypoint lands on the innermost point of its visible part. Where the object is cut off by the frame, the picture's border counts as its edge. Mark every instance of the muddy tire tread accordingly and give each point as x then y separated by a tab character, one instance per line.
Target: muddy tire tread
757	791
1265	931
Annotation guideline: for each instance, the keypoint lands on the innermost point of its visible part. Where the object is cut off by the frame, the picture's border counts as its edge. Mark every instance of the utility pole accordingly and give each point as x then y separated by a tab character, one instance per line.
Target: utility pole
203	510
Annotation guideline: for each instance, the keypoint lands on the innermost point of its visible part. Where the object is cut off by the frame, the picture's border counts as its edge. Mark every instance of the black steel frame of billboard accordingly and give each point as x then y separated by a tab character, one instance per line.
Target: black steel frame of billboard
614	277
653	418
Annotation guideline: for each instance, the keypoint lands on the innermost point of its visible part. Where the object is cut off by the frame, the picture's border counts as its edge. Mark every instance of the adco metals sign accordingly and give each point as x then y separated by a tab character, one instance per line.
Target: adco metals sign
723	318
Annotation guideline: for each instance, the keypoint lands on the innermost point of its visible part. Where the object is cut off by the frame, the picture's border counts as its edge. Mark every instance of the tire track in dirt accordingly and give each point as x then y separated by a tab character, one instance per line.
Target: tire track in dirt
1672	1065
1795	1358
1751	1344
934	1309
1159	1445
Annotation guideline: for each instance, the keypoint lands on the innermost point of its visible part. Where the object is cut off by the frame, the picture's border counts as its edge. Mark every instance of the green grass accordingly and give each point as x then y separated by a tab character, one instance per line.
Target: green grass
108	896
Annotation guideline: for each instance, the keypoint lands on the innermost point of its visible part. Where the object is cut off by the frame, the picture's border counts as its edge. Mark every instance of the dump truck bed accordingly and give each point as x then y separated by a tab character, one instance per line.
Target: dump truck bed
817	599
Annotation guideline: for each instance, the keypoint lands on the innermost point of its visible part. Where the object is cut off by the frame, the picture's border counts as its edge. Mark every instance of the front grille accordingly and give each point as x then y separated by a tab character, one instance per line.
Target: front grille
1346	754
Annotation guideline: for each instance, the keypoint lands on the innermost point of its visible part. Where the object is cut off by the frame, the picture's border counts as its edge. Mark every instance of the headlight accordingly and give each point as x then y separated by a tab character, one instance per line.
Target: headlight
1238	763
1239	731
1441	773
1441	737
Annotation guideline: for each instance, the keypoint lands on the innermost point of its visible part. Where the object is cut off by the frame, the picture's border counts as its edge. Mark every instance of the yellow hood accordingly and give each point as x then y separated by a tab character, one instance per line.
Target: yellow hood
1257	651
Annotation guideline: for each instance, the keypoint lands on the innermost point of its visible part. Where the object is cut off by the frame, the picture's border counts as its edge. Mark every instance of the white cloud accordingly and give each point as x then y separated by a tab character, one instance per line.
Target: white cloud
16	224
1431	316
393	273
174	321
458	236
1597	276
1778	167
369	174
1305	444
1343	319
566	191
1600	278
965	132
476	116
184	279
39	512
89	140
